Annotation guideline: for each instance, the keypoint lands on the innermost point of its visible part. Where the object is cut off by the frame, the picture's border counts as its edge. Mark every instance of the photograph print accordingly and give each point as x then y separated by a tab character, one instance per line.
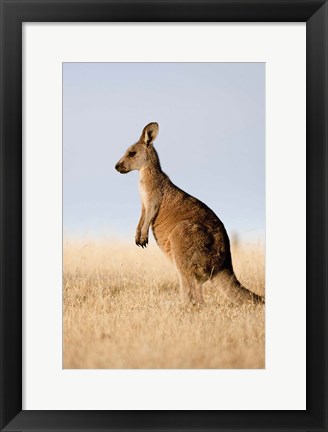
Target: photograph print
163	215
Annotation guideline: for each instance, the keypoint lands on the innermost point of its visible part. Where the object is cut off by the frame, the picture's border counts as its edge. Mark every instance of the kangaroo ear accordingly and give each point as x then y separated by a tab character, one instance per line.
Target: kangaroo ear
150	133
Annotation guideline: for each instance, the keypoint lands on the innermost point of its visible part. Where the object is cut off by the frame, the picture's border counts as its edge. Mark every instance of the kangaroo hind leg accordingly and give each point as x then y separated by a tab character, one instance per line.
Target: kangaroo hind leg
186	257
191	290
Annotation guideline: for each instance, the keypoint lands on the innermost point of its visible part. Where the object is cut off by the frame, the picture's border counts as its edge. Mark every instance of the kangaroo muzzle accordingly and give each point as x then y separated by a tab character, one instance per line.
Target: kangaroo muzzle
121	168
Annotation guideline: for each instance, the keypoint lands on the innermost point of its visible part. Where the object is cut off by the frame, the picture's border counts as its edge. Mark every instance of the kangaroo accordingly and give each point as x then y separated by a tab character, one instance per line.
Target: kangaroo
185	229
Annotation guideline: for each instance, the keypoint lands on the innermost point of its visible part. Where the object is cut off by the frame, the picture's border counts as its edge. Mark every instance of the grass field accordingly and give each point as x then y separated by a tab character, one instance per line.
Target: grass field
121	309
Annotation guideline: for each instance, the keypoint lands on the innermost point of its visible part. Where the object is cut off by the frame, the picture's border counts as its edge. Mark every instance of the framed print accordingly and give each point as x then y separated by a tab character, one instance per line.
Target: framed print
229	99
202	84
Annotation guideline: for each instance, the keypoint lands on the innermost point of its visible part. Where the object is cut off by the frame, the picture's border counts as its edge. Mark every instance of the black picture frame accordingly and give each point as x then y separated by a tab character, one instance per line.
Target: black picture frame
13	14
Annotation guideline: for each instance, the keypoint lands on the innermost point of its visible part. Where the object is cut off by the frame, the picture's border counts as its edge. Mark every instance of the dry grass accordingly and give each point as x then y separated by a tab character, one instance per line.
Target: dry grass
121	310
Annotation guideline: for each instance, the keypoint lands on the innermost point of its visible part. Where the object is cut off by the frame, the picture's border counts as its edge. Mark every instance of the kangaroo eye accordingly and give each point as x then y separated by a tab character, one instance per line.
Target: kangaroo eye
132	154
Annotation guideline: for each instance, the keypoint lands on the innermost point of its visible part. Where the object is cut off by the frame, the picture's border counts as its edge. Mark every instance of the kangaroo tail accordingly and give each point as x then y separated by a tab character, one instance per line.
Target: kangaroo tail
235	291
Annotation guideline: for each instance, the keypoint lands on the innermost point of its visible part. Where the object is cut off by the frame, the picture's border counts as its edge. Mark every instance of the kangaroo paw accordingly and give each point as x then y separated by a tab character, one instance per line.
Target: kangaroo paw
142	241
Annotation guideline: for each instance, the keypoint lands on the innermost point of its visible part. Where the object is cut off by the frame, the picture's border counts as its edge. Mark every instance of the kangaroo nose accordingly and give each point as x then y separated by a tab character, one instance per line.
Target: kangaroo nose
117	166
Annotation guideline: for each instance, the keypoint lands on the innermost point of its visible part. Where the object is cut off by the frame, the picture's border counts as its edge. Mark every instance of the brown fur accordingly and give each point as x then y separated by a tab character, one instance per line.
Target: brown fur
185	229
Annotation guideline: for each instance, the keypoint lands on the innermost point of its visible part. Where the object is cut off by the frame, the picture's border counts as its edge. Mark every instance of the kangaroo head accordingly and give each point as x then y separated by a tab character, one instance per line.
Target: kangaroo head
138	155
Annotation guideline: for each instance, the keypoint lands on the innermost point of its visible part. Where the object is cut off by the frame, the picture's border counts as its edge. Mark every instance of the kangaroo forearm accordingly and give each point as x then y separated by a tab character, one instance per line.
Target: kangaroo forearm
140	223
148	218
146	224
143	226
141	220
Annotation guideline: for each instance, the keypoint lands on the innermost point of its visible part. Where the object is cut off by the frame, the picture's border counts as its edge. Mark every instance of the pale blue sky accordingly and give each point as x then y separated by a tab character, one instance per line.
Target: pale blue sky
211	141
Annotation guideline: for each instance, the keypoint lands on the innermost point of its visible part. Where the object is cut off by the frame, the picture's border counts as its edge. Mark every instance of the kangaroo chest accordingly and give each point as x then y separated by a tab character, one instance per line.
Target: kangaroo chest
151	195
147	190
144	194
